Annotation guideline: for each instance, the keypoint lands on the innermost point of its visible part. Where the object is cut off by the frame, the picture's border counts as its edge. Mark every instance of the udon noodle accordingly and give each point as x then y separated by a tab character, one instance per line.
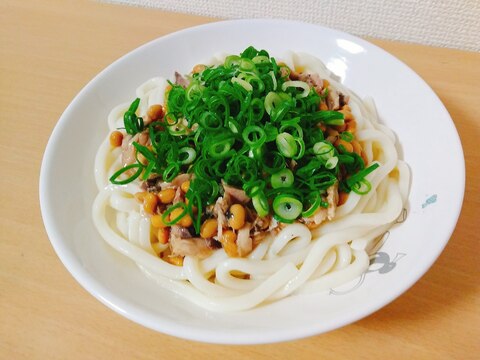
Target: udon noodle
295	260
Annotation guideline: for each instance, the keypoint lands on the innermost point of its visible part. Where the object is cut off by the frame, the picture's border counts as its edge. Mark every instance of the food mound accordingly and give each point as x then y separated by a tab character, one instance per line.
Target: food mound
248	179
238	150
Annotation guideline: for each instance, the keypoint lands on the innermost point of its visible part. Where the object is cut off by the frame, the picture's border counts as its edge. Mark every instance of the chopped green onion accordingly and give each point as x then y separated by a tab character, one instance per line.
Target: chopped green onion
297	84
170	119
221	149
133	124
301	145
286	145
326	152
252	188
323	148
246	64
280	112
211	121
272	100
274	80
114	177
287	207
347	136
194	91
170	172
260	203
148	170
250	52
166	215
177	129
232	60
195	200
292	127
144	151
271	132
234	126
315	200
261	59
331	163
353	181
362	187
247	86
257	153
329	117
254	136
283	178
190	153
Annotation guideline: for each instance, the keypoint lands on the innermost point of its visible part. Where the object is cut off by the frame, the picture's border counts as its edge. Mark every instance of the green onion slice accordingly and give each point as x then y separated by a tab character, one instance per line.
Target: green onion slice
347	136
170	172
272	100
329	117
221	149
254	136
166	214
247	86
260	203
362	187
353	180
133	124
231	61
324	150
261	59
297	84
190	154
116	175
315	200
253	188
286	145
283	178
331	163
287	207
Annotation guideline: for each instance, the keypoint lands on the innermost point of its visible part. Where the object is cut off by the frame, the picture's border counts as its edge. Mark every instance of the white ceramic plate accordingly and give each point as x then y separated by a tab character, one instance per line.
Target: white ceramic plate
406	104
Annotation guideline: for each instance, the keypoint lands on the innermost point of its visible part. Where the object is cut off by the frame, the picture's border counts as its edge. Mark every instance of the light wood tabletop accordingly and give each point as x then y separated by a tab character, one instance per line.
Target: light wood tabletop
49	50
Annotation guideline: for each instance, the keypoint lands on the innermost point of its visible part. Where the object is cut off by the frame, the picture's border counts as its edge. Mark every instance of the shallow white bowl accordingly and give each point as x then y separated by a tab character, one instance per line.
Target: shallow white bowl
428	139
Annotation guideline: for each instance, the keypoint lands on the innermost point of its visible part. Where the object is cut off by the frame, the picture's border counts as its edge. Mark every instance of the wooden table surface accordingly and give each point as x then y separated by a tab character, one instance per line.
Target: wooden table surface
49	51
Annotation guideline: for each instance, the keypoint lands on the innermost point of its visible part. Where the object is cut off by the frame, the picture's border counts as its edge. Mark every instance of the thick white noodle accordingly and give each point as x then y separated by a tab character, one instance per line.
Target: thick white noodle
296	260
